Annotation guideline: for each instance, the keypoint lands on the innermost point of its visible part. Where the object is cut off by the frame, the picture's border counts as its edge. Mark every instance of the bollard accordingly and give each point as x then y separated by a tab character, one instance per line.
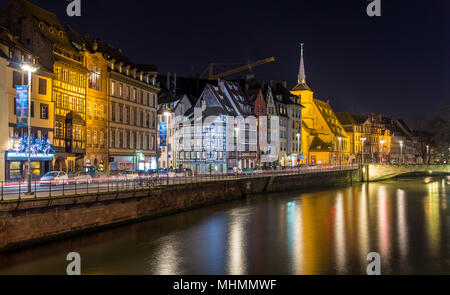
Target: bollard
35	189
19	190
2	190
63	187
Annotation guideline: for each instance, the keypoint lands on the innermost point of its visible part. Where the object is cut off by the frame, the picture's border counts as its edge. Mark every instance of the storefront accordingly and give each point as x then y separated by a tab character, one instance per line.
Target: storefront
17	165
140	162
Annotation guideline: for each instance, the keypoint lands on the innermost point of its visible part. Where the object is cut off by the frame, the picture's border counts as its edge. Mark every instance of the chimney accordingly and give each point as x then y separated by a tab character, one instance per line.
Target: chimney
285	84
95	46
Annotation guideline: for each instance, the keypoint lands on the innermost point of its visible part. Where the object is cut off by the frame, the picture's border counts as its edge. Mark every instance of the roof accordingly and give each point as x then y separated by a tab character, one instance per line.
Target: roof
50	19
192	87
301	86
347	118
318	144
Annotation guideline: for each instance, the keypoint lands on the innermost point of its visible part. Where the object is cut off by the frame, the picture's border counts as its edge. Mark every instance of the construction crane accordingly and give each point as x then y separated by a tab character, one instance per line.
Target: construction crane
249	66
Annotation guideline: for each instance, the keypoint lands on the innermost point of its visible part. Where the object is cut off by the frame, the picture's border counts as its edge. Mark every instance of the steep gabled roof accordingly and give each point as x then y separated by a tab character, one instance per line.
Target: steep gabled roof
347	118
318	144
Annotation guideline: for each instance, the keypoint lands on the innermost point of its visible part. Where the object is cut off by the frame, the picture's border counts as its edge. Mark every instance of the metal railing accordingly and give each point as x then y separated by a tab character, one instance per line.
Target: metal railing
74	187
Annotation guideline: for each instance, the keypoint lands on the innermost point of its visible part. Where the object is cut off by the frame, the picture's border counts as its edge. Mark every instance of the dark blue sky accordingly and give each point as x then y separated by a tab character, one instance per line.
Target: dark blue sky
397	64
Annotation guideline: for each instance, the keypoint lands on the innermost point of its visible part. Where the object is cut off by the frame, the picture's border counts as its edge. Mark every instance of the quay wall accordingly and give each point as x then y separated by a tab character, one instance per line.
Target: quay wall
27	222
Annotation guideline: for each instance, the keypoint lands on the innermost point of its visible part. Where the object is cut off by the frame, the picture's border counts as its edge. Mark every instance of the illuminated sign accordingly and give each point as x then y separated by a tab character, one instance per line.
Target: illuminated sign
162	134
22	106
23	156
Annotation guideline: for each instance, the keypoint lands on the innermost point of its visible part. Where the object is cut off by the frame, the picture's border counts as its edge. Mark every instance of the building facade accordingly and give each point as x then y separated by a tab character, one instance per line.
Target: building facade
324	140
132	99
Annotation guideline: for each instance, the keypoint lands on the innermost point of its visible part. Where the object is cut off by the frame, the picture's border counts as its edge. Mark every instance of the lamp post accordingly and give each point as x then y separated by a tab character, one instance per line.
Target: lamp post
30	69
363	139
428	154
401	151
382	143
236	129
339	151
298	143
167	115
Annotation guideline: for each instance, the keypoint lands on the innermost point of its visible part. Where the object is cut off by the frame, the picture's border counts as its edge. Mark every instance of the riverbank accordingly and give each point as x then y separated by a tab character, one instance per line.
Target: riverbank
28	222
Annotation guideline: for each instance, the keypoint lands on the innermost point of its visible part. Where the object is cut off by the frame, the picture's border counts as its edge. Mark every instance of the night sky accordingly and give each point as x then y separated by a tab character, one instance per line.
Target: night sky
397	64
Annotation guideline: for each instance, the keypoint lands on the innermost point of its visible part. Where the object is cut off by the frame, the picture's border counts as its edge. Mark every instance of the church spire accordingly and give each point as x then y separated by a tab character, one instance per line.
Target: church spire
301	75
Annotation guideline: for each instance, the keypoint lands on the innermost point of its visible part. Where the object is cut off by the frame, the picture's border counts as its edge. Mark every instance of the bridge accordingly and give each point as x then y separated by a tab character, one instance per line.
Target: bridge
375	172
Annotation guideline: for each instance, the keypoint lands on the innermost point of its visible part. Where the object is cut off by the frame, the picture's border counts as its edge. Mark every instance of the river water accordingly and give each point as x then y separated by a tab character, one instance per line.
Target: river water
322	231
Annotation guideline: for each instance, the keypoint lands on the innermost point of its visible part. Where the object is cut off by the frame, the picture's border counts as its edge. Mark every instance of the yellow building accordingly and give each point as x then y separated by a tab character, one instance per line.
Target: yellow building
96	108
369	137
324	140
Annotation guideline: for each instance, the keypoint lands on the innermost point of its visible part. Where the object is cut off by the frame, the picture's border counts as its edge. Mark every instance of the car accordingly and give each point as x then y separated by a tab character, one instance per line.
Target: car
131	175
83	177
258	171
116	175
54	177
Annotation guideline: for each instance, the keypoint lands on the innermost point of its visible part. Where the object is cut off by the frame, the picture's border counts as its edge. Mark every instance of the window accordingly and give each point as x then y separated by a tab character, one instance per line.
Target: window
113	112
32	109
44	111
120	90
88	137
17	79
95	78
113	88
95	137
102	138
88	109
95	111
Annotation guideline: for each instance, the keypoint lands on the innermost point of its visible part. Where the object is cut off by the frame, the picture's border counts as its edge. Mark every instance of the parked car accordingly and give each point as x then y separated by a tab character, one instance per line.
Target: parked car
83	177
54	177
131	175
116	175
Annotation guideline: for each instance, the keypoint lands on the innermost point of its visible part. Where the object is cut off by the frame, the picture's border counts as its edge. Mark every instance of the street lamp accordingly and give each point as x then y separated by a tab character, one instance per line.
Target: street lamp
428	154
339	150
30	69
401	151
382	143
298	143
236	129
363	139
167	114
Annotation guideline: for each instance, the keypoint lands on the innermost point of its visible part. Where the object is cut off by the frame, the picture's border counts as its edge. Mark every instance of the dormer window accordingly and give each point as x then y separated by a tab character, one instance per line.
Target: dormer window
61	34
41	25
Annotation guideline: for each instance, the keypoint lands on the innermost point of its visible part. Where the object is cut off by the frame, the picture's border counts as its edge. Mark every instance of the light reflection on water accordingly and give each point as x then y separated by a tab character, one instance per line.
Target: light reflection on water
328	231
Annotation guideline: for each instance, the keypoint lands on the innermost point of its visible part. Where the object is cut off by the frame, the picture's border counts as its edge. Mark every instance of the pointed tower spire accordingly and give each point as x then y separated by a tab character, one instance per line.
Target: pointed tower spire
301	75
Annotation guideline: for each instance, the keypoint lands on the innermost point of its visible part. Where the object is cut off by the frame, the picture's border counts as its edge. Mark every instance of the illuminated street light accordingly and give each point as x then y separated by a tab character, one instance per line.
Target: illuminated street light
339	153
382	143
29	69
401	151
363	139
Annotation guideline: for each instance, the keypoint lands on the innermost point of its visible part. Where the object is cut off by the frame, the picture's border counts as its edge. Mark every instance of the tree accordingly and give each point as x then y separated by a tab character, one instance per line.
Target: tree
440	127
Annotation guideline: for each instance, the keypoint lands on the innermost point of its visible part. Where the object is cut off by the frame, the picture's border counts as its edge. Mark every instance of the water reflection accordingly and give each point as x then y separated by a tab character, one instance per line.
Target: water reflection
316	232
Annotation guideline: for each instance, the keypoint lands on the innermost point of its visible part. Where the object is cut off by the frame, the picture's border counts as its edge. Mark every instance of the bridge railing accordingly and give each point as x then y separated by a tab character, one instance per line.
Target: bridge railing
81	187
